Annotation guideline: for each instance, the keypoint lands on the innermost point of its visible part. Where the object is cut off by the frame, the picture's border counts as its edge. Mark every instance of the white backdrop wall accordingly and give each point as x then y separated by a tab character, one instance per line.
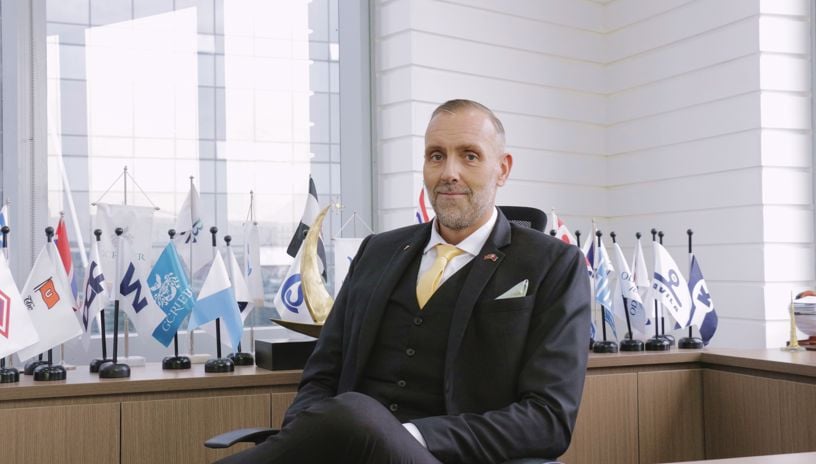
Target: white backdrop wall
640	114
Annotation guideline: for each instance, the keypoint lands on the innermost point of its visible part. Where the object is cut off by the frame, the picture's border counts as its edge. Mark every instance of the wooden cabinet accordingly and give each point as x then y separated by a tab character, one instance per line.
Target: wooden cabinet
637	408
62	434
153	417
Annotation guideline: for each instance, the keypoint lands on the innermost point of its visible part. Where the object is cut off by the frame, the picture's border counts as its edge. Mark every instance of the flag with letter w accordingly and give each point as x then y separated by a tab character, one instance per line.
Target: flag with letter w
703	314
669	286
16	329
172	292
134	292
217	300
47	296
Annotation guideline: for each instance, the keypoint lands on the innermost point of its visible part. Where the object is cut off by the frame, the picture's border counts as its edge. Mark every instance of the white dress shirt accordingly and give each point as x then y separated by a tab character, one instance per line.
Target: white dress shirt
471	246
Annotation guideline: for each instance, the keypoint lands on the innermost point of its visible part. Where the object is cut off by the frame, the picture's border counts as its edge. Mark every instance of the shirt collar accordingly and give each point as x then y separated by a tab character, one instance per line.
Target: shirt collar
473	243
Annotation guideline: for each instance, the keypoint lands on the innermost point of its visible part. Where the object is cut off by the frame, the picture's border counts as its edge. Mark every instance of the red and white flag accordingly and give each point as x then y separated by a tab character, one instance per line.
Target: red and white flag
16	329
64	248
424	212
561	231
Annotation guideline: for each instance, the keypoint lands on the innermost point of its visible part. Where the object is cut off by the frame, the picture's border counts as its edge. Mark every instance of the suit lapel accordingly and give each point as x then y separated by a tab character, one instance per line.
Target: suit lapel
394	271
484	266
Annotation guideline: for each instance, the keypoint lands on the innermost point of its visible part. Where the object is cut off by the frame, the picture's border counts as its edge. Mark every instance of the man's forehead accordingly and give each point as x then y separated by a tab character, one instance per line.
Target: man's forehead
469	123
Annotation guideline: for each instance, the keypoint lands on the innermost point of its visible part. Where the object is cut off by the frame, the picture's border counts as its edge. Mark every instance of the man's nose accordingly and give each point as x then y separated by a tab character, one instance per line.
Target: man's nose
450	170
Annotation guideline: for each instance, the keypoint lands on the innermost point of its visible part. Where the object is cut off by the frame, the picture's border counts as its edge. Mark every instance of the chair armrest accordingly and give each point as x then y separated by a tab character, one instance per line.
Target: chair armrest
249	435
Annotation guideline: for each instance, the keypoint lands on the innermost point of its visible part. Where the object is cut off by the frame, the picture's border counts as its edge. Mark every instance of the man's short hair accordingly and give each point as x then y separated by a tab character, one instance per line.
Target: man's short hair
452	106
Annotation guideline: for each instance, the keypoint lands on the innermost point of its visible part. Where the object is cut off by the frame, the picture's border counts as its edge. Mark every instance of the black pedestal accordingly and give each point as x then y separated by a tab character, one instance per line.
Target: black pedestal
96	363
283	354
219	365
657	344
690	343
9	375
114	371
668	338
176	362
605	347
631	345
48	372
31	365
242	359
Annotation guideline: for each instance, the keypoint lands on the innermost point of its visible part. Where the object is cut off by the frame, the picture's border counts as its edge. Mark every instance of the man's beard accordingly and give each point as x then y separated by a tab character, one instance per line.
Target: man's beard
455	216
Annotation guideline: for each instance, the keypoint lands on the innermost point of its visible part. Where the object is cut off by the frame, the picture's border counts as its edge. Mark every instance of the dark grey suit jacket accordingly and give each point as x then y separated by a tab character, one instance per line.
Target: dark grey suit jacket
514	368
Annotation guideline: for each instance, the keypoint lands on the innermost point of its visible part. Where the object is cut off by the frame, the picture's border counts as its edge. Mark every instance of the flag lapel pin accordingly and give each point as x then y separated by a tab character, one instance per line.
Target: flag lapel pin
490	257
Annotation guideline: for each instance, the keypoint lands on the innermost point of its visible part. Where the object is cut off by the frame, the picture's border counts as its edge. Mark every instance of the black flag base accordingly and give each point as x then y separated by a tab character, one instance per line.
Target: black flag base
97	363
114	371
241	358
31	365
631	344
668	338
48	372
9	375
219	365
690	343
176	362
607	346
657	344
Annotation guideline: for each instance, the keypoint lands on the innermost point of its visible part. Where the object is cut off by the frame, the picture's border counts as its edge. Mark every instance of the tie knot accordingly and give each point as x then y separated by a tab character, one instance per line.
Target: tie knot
448	252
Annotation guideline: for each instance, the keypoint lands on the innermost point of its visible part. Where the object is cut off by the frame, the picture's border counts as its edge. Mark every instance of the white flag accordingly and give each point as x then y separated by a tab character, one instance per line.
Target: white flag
670	287
191	238
16	329
289	300
627	289
639	272
239	285
344	251
96	297
47	295
134	295
252	264
137	223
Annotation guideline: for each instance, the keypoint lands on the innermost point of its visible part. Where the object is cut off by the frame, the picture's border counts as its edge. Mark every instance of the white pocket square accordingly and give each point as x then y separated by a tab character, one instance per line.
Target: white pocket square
517	291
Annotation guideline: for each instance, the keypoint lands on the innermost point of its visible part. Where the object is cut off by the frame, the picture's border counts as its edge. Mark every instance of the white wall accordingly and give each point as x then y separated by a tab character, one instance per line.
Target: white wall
641	114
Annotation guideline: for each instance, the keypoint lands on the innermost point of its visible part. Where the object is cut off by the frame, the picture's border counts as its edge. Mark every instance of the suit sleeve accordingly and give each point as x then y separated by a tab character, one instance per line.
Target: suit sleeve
322	371
549	387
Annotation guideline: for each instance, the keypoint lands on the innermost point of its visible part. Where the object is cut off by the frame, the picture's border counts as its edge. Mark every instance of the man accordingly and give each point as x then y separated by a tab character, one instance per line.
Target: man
477	356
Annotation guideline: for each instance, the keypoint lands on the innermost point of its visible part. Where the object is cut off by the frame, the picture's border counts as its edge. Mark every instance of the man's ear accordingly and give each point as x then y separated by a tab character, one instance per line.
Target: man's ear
505	165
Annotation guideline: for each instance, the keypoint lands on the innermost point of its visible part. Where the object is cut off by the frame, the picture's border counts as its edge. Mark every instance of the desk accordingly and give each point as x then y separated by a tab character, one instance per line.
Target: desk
155	416
638	408
795	458
692	405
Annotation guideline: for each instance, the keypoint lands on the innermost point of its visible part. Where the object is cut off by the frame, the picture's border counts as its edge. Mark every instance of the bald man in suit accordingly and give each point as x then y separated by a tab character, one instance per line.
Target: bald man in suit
485	367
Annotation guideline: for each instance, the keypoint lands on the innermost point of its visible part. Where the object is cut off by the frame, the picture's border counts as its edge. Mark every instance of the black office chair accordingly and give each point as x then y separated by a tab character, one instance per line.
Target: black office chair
526	216
521	215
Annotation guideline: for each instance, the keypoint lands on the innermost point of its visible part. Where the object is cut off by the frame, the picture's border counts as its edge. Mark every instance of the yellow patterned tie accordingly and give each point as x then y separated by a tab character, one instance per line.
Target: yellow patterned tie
429	281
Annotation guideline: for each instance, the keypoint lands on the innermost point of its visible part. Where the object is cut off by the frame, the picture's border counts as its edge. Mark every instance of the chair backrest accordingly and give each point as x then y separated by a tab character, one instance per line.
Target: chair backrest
526	216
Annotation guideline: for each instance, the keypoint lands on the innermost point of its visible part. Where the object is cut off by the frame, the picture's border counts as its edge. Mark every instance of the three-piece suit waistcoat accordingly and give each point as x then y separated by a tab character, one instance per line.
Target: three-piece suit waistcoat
406	369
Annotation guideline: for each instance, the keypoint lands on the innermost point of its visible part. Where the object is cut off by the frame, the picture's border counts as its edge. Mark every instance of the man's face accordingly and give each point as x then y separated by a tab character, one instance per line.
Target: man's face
464	165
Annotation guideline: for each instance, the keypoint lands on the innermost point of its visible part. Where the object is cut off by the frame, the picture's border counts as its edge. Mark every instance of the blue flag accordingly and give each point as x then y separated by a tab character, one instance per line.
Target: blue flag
603	294
172	292
216	300
703	314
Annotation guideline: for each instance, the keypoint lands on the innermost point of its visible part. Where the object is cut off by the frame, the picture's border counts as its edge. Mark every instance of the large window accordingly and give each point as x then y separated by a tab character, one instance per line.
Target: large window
242	95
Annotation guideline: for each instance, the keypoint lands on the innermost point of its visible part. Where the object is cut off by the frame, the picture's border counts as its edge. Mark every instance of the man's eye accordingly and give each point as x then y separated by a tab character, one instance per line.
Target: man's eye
435	157
471	156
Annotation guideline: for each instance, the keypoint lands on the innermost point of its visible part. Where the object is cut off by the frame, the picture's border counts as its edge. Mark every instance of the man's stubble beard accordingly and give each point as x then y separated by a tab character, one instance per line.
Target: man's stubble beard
476	206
